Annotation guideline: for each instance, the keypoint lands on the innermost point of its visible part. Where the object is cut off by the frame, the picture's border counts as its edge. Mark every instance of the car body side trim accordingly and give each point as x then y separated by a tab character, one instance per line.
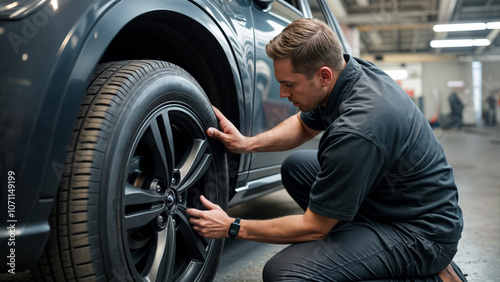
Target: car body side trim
259	183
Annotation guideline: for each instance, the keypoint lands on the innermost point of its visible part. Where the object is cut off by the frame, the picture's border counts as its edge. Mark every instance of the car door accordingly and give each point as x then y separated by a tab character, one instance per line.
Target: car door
268	108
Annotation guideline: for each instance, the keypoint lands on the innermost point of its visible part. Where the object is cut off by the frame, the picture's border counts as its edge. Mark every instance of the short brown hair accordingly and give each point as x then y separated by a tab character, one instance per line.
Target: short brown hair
310	44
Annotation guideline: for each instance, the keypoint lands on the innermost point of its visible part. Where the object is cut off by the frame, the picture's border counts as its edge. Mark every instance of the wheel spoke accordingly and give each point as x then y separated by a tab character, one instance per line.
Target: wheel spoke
162	267
160	140
139	219
137	196
141	207
196	243
195	164
169	136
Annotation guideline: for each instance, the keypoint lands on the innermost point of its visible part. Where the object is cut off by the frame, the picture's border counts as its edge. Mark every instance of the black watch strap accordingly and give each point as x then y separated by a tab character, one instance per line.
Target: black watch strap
234	229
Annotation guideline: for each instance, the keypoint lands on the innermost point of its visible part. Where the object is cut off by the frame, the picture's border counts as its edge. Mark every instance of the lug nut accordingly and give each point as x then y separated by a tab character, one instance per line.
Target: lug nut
160	219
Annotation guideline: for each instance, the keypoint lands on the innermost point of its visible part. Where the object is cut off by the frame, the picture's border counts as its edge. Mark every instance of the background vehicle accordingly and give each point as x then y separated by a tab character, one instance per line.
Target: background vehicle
104	107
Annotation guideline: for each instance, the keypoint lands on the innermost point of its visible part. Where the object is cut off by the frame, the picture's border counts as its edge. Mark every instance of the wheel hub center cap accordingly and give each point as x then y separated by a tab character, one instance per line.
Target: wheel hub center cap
171	199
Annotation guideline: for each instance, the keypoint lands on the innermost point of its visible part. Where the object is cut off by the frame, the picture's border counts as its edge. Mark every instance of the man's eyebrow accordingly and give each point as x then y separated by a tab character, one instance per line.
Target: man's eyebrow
285	81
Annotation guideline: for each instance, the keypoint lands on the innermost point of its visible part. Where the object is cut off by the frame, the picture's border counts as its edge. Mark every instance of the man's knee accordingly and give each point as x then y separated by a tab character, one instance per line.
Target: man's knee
290	164
300	166
278	268
270	273
291	264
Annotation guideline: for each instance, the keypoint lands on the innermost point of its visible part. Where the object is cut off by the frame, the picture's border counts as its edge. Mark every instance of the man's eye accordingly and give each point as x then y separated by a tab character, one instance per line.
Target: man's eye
289	85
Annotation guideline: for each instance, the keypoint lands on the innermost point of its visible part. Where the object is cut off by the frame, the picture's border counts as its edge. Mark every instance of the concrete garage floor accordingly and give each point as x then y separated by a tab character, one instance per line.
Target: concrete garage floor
474	154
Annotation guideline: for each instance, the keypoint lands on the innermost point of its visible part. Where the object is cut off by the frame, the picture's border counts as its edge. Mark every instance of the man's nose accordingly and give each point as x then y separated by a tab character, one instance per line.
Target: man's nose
284	93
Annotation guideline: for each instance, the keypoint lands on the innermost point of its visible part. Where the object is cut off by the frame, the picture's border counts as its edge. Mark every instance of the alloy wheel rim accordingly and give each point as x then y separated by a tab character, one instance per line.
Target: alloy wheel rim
170	165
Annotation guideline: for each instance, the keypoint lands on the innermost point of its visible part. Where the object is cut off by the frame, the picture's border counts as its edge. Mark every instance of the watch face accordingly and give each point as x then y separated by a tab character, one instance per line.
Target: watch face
233	230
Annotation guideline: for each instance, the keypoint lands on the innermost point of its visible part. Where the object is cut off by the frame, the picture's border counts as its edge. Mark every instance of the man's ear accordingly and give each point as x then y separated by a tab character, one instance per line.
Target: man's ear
325	75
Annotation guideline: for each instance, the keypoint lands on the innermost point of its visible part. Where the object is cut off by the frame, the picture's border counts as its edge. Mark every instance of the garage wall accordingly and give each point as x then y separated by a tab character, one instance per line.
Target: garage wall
491	78
435	78
430	84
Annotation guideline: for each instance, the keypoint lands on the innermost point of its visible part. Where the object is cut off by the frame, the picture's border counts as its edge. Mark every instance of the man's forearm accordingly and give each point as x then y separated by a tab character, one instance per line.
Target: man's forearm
283	230
287	229
287	135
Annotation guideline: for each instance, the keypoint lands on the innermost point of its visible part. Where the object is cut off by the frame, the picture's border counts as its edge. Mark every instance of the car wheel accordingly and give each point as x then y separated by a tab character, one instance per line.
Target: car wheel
139	157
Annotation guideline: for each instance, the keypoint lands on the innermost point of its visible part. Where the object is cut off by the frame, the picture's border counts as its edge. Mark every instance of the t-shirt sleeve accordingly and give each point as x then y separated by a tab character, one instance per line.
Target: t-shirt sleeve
351	166
312	119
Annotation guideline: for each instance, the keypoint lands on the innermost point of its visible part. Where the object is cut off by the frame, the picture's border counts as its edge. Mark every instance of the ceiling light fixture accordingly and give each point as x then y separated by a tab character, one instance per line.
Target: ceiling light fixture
456	83
459	27
493	25
459	43
465	27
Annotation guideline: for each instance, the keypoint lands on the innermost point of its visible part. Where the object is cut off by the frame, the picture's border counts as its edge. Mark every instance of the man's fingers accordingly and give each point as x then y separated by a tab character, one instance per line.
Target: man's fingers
194	213
218	113
211	223
220	116
209	205
213	132
198	213
224	123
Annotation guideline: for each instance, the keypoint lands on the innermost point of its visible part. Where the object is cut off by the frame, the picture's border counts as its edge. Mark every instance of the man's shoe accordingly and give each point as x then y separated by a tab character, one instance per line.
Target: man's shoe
458	271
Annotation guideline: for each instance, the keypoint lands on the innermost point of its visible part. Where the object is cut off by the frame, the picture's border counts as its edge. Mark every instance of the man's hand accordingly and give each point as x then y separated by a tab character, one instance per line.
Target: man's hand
230	136
212	223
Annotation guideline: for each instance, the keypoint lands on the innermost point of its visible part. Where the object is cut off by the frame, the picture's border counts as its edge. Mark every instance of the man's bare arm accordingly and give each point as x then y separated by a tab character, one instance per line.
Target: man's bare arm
287	135
309	226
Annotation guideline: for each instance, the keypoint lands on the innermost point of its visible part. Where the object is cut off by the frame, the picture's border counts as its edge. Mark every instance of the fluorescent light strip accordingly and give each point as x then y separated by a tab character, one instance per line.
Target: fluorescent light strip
493	25
459	27
459	43
456	83
482	42
466	27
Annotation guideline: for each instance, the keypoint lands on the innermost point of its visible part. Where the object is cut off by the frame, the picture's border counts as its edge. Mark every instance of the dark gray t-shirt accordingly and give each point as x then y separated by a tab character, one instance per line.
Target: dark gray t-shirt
380	160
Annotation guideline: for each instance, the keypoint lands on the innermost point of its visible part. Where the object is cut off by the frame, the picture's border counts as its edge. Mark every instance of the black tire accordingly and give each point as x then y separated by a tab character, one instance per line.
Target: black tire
139	157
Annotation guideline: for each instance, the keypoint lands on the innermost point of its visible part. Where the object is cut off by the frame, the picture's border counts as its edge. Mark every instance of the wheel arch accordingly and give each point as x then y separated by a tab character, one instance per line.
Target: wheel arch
186	37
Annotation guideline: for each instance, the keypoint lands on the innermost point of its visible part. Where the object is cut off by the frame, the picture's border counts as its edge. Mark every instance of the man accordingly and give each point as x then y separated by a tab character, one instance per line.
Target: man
457	108
379	197
491	110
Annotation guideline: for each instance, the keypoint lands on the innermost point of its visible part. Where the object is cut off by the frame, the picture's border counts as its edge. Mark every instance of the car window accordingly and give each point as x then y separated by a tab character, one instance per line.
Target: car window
316	10
287	9
294	3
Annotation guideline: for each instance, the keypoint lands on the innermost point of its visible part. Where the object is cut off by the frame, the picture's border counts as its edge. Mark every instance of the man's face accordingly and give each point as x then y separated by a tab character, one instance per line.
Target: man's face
303	93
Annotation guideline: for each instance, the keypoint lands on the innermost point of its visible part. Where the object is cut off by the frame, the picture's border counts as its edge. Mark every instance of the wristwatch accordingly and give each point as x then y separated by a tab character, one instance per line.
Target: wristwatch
234	228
